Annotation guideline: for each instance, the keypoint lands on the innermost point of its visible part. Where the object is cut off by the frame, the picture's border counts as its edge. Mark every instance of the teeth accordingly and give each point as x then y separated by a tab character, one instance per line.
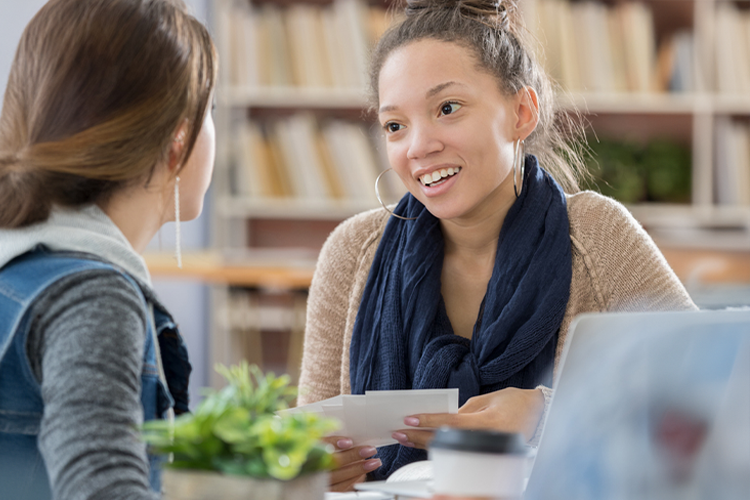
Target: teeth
437	175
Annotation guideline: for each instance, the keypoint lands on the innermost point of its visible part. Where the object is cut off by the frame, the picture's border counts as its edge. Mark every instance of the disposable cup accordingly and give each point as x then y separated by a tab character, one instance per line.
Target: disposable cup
478	463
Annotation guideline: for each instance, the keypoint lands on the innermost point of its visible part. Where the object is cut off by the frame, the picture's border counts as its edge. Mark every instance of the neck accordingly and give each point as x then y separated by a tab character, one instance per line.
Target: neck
476	234
138	213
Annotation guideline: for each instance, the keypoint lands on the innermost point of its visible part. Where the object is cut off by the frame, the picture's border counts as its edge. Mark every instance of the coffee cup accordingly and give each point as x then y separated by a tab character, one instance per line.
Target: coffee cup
478	463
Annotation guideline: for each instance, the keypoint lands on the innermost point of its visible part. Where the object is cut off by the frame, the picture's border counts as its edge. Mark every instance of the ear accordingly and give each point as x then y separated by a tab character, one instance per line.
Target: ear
177	147
526	112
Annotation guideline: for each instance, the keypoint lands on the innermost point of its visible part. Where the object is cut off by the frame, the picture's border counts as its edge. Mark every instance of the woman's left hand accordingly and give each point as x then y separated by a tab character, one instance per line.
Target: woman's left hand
507	410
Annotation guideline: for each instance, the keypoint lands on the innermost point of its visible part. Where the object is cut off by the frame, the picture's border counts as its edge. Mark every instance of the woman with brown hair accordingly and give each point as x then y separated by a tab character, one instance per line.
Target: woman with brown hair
473	279
105	134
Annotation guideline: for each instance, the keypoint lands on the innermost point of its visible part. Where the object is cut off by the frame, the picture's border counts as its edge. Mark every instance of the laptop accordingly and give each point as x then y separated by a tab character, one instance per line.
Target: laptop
649	406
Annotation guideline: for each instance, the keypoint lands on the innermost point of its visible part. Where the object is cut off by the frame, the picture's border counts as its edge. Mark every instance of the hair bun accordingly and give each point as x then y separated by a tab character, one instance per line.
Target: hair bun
496	11
8	160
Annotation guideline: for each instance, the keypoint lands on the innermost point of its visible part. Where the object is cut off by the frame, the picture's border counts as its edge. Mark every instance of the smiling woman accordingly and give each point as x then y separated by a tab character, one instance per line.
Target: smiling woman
499	252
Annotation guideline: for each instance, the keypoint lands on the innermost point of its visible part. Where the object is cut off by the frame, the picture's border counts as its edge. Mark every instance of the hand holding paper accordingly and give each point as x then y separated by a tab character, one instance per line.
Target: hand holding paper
505	410
371	419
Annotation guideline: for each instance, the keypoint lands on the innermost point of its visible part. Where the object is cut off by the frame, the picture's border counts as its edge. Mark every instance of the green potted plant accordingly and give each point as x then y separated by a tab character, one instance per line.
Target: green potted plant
235	446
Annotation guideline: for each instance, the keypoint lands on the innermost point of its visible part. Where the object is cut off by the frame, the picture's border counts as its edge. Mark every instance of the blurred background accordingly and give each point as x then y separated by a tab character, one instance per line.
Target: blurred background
663	87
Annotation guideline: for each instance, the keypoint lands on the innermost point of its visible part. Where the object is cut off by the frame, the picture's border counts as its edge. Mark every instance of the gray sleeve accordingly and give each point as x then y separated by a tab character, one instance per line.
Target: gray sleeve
86	348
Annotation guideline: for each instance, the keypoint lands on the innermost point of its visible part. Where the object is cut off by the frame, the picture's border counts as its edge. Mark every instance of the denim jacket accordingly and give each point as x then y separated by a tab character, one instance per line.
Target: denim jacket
21	404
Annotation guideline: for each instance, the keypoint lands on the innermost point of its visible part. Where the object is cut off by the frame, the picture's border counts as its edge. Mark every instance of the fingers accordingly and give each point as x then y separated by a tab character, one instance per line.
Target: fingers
351	463
339	442
347	485
476	404
414	438
349	474
436	420
352	455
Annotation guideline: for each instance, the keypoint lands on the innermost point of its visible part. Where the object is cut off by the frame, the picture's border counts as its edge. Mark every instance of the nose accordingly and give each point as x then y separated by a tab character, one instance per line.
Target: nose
424	141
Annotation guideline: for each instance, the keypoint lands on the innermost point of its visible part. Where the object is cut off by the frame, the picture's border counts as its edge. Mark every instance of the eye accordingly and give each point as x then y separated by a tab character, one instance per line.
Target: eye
449	107
392	127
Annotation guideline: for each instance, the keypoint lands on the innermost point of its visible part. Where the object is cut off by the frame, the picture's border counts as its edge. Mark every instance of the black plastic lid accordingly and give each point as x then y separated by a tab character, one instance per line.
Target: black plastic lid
479	441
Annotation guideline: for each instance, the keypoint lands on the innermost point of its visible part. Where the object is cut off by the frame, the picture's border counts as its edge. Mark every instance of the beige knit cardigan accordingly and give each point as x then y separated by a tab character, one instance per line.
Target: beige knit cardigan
616	267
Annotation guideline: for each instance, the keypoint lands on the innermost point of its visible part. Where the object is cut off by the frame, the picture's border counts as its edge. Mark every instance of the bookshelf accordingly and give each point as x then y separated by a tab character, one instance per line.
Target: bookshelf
291	94
675	69
293	80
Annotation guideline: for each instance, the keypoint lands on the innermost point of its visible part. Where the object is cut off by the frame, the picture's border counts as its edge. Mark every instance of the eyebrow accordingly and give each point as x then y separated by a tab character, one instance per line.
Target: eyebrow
439	88
430	93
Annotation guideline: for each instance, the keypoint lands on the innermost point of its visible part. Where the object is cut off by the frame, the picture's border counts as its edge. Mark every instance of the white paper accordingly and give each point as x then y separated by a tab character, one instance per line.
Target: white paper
386	410
355	415
358	495
409	489
370	419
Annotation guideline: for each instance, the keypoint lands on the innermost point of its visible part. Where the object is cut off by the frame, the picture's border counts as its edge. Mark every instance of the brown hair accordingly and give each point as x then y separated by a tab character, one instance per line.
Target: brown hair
493	31
96	92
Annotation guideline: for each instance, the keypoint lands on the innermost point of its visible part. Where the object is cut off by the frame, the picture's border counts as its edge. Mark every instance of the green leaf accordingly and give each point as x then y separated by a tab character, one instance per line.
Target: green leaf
235	430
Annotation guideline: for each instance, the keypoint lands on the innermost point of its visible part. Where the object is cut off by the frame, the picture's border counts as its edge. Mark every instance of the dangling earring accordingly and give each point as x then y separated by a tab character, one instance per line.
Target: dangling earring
519	163
180	139
177	242
377	193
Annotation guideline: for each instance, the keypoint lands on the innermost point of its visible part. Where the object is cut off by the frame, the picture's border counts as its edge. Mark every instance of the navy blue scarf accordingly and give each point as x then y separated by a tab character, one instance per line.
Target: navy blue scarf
402	336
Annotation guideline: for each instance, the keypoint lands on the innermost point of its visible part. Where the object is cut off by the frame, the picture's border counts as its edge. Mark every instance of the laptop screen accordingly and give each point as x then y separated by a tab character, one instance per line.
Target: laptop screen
649	405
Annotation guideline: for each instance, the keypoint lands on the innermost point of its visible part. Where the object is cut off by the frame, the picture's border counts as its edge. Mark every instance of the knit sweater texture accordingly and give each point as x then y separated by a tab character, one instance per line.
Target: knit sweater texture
616	268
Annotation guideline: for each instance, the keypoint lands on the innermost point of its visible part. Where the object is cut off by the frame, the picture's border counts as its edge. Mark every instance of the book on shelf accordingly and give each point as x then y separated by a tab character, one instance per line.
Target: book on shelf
676	69
732	182
266	328
301	45
304	158
593	46
732	49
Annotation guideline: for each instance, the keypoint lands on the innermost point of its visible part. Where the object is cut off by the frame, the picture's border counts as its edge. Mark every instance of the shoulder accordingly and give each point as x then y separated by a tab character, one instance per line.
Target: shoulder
356	234
96	307
598	221
588	209
95	286
624	265
347	254
99	295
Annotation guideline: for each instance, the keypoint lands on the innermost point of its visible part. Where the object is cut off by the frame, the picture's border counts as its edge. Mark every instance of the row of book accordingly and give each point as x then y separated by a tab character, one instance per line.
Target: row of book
301	45
732	49
266	328
301	157
732	172
599	47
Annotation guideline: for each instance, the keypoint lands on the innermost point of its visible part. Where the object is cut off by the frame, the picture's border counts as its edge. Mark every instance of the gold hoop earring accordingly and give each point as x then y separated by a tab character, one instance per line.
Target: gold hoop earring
377	193
518	163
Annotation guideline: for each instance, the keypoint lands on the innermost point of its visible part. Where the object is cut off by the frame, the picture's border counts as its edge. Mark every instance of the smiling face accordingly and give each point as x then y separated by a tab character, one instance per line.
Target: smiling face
449	129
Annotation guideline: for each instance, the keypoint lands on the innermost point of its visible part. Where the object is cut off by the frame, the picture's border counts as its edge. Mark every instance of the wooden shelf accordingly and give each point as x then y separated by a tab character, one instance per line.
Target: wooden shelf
732	104
692	266
639	103
292	208
210	268
294	97
665	215
586	102
696	267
